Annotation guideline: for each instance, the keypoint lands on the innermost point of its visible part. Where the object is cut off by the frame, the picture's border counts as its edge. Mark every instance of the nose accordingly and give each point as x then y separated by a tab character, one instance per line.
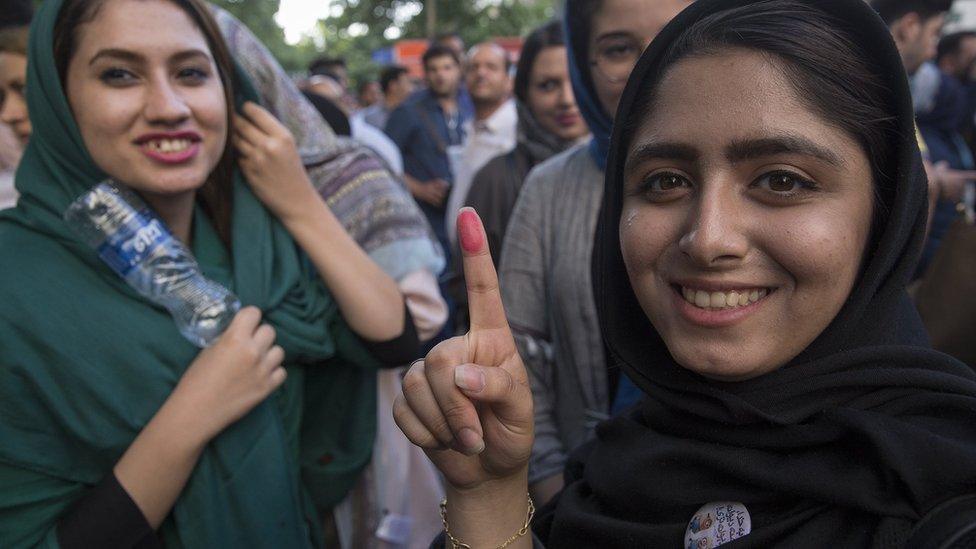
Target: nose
717	228
13	108
164	104
566	97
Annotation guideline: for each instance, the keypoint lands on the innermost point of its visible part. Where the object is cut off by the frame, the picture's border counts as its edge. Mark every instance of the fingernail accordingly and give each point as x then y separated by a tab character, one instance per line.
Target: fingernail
471	441
470	378
469	231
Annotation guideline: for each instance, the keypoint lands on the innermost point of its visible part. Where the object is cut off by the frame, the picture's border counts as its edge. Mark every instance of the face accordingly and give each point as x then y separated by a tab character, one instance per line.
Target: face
147	97
327	87
443	76
550	95
13	102
399	89
486	76
620	31
917	39
370	94
743	222
962	63
455	43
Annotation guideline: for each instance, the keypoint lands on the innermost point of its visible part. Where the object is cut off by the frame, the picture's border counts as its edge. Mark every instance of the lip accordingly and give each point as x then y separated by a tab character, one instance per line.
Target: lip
567	120
715	318
171	158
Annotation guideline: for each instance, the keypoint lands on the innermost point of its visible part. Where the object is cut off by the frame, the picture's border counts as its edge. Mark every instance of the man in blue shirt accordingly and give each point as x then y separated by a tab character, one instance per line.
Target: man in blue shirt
428	129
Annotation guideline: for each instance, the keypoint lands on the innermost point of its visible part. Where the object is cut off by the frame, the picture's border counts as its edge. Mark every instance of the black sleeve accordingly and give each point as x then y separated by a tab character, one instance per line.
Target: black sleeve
106	517
400	350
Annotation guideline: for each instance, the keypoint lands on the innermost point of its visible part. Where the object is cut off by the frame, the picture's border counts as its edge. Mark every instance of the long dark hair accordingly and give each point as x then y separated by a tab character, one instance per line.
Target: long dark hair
822	63
546	36
216	195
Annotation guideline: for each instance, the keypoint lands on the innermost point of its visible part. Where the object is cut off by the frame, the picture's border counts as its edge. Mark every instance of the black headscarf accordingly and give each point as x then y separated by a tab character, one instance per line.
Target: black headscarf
853	440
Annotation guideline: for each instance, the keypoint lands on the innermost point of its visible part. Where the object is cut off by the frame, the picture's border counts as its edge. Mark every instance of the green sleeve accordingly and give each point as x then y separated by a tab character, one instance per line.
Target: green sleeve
30	505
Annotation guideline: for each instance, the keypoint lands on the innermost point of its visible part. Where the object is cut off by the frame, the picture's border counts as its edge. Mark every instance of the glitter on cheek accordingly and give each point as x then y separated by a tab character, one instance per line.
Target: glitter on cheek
631	216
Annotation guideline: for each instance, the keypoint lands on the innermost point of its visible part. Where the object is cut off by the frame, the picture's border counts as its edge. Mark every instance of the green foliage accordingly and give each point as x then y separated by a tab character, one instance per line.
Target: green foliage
361	26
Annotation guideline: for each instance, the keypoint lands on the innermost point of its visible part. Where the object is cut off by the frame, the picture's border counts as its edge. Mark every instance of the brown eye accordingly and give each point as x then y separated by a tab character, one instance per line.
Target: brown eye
663	183
669	182
782	182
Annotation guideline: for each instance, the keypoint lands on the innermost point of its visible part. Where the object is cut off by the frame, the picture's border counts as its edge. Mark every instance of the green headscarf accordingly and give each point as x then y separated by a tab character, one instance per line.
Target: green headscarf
86	362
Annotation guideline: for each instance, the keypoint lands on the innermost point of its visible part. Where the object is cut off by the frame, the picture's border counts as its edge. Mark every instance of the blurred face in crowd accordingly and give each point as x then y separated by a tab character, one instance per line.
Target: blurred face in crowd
326	86
399	90
13	102
147	97
486	75
917	39
443	76
742	228
960	64
550	95
455	43
619	33
369	94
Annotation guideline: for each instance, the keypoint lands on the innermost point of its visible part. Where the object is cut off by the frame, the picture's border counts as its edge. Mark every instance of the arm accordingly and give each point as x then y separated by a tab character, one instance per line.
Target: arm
368	298
467	404
524	283
222	384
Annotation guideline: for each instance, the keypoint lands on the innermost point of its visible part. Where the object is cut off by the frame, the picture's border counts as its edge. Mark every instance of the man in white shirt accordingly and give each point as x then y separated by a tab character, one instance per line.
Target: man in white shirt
492	132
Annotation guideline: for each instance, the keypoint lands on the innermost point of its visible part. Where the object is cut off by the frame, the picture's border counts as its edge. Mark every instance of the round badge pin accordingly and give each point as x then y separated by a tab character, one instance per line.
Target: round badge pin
716	524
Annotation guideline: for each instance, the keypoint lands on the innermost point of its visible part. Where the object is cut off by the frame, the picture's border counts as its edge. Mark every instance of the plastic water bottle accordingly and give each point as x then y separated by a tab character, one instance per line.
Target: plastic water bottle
138	246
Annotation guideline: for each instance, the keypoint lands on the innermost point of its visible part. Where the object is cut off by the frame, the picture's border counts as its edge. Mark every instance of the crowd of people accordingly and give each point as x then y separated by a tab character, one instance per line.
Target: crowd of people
686	273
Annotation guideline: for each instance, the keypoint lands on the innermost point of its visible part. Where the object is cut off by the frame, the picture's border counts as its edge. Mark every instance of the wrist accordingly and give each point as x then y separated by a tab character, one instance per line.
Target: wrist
186	414
300	208
489	514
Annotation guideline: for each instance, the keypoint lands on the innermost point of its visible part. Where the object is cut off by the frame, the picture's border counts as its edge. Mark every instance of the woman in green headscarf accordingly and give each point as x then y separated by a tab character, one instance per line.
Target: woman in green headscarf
115	430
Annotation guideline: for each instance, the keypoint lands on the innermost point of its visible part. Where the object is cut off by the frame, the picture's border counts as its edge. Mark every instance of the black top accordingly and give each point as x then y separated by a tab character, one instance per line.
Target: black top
849	444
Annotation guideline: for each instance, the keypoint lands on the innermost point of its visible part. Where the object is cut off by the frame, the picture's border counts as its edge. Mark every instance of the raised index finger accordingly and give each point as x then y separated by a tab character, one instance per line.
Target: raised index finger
484	300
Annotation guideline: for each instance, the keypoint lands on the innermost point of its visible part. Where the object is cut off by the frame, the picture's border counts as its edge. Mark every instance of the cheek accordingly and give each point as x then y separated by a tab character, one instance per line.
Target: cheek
647	238
543	106
607	92
210	111
821	249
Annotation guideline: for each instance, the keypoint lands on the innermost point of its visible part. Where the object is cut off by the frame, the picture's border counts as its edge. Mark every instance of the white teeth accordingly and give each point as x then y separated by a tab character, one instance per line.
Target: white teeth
723	300
168	145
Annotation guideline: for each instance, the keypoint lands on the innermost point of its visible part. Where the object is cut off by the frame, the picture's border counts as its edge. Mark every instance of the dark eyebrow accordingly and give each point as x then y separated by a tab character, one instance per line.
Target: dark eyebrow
785	144
614	35
661	151
126	55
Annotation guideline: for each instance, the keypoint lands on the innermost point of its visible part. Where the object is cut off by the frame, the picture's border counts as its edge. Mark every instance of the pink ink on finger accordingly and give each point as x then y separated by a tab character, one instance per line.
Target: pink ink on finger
469	231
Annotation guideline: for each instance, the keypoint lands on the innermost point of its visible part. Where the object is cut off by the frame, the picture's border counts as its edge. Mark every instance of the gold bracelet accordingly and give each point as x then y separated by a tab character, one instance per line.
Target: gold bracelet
458	544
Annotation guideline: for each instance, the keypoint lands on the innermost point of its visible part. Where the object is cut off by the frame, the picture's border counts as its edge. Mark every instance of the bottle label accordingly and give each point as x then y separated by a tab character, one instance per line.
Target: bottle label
130	246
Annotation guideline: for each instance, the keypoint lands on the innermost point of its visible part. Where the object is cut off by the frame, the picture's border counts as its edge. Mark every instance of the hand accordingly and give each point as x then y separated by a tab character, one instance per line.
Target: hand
270	162
951	183
234	375
468	403
433	192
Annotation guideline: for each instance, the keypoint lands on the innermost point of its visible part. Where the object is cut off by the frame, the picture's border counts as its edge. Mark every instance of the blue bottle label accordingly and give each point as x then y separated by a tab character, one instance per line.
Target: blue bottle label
132	245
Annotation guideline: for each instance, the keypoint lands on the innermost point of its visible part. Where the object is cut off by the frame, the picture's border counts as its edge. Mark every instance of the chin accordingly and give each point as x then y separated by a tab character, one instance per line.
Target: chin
719	364
164	184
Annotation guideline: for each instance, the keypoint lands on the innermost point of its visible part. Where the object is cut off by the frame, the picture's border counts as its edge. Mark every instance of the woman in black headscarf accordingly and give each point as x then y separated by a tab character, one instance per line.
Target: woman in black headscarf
764	208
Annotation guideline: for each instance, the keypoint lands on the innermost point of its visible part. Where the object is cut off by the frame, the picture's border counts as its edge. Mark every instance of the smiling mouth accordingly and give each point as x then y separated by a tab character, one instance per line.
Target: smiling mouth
168	146
726	300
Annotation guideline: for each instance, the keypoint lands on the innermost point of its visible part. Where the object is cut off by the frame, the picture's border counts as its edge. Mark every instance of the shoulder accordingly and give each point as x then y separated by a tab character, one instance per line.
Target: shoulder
571	166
